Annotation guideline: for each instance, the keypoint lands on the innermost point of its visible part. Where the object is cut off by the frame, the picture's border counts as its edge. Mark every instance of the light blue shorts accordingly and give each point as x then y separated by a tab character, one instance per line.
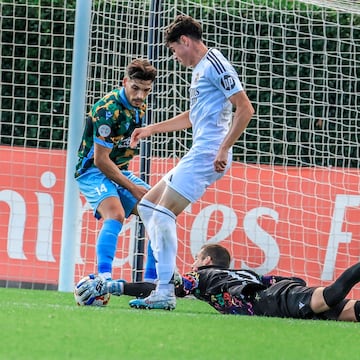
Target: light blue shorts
96	187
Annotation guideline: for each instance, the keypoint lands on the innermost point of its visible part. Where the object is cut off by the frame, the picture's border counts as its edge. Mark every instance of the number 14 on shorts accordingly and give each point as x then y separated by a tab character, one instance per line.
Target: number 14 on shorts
101	189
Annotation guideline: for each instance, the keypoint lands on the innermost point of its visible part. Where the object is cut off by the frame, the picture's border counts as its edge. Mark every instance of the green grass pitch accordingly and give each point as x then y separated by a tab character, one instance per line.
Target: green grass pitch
39	324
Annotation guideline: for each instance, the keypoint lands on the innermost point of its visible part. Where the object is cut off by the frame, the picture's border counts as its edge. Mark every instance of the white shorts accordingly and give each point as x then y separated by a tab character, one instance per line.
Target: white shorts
194	173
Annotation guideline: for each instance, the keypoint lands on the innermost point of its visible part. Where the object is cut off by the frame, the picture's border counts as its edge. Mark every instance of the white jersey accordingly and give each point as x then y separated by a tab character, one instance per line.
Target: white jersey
213	81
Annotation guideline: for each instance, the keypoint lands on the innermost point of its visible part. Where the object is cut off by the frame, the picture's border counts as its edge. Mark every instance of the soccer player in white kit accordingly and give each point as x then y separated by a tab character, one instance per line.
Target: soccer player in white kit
215	89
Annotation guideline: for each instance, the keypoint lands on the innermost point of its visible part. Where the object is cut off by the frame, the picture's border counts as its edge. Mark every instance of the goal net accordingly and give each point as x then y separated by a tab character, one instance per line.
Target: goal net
290	204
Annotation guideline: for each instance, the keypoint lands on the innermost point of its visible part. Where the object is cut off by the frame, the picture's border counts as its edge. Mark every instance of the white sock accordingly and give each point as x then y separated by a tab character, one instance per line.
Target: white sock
166	246
165	288
146	210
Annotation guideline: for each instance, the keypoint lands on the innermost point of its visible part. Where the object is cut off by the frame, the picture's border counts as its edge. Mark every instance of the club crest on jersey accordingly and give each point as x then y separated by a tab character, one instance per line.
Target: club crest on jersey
227	82
104	130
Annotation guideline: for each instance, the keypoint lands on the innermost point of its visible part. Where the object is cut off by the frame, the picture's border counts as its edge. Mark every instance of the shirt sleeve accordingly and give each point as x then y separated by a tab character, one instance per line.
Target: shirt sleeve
228	83
102	128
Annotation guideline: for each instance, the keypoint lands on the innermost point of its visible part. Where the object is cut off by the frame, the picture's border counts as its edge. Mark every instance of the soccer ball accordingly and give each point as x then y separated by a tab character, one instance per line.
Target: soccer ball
83	293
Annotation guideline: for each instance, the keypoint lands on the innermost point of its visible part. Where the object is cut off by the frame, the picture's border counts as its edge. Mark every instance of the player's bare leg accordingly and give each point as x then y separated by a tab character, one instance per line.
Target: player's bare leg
324	298
348	313
317	302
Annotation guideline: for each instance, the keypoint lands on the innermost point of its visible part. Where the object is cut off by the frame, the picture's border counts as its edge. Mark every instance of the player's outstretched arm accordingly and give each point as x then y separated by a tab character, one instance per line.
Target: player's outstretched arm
140	133
176	123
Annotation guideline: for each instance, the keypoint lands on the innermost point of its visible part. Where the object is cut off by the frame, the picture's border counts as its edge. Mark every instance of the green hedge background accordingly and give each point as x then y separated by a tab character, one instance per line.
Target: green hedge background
37	42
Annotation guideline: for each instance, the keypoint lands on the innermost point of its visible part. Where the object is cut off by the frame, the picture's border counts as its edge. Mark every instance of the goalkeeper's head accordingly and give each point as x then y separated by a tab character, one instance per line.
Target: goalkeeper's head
212	254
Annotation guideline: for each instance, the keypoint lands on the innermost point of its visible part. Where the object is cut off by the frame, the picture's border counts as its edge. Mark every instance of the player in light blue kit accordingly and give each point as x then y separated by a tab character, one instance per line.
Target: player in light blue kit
215	89
104	156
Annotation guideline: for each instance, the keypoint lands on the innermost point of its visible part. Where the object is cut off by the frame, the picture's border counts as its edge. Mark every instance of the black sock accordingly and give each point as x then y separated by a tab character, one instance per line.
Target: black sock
338	290
139	289
357	310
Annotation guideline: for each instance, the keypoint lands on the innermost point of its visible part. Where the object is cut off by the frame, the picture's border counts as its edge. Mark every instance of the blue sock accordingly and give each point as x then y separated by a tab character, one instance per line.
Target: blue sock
150	269
106	245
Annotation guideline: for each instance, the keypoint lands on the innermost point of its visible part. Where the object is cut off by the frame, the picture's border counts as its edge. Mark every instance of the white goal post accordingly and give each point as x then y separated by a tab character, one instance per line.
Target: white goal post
290	204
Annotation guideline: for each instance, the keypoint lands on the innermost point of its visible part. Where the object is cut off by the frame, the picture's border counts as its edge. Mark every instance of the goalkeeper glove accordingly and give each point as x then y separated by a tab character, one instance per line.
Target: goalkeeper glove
96	286
190	281
186	284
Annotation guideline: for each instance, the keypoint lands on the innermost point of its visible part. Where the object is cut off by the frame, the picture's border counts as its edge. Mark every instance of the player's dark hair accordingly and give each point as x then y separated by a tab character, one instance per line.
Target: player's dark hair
141	69
219	255
183	25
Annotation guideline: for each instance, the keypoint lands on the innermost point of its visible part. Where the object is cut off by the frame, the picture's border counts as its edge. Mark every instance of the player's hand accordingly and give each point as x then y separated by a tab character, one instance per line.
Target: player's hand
221	160
177	279
139	191
138	134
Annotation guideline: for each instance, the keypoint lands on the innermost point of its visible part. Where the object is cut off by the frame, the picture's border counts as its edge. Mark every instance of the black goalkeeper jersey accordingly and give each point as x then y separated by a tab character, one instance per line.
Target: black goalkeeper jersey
228	291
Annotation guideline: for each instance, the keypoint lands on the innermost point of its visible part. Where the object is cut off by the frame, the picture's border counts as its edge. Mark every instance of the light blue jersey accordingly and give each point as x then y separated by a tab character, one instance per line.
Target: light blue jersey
214	81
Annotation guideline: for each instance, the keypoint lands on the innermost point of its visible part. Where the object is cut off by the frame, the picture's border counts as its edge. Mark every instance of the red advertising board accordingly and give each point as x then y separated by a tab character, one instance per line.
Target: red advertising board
298	221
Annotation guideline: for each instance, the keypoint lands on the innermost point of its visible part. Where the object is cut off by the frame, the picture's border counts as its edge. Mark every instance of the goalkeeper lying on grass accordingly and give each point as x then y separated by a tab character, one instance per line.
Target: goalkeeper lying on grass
243	292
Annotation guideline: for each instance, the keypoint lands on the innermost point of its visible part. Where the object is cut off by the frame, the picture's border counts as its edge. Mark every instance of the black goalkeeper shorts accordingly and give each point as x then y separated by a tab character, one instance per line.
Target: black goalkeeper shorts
290	299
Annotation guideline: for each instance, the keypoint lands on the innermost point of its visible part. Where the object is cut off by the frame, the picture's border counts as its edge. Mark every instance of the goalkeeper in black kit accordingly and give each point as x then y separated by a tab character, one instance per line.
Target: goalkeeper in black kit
244	292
